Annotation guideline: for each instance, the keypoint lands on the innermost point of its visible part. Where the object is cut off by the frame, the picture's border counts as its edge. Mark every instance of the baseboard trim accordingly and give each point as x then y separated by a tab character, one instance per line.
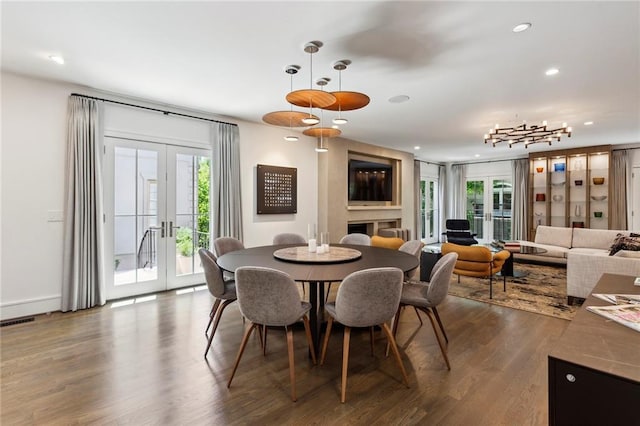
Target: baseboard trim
24	308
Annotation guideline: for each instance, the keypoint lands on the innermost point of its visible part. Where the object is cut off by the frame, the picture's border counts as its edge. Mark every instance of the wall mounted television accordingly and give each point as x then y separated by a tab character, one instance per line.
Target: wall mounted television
370	181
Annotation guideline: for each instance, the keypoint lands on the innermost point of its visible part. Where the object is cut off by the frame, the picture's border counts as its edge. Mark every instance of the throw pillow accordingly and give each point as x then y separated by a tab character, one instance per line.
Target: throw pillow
623	242
633	234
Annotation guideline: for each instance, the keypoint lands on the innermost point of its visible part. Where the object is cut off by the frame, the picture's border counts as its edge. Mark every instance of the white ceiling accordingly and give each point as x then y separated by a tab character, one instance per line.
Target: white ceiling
459	62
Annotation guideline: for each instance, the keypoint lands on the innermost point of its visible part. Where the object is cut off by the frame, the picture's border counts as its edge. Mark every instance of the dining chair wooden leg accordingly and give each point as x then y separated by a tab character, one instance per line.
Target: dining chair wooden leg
435	313
435	330
371	340
345	362
418	315
307	330
216	321
264	340
327	334
292	369
243	345
394	327
394	347
214	309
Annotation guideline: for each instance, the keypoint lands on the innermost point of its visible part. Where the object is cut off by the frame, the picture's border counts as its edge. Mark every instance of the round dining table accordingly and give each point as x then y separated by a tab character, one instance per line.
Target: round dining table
317	273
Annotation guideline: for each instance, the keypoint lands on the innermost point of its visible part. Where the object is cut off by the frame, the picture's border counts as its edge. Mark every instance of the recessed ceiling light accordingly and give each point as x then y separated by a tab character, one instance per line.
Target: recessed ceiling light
588	123
399	99
416	148
521	27
552	71
477	155
57	59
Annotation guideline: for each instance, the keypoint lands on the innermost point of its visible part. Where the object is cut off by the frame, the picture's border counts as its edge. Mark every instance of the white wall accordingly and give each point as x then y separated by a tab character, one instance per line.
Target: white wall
32	168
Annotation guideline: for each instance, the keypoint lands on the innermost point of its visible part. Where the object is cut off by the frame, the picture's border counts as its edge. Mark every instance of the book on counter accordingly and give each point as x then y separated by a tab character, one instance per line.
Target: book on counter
618	299
627	315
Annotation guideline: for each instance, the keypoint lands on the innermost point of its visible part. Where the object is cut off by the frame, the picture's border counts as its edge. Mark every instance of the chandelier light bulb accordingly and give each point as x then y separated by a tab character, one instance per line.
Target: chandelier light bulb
321	149
340	120
310	120
291	138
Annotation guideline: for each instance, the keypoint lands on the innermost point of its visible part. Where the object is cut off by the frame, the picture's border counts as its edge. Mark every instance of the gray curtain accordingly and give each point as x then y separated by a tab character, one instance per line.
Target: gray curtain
83	283
416	199
443	198
520	199
620	172
459	192
226	200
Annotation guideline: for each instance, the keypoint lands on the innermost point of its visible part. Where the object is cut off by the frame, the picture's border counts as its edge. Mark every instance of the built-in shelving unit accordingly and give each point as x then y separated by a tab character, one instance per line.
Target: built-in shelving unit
570	188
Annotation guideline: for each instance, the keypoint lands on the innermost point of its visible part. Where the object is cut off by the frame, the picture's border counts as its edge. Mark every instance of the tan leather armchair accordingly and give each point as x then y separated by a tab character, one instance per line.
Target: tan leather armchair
478	261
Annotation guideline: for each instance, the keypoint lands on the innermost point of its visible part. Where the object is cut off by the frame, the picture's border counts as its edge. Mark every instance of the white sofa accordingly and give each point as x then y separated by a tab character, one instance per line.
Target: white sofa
586	254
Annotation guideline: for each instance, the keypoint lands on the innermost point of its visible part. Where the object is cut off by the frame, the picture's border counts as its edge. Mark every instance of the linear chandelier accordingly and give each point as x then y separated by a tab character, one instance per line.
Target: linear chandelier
311	98
526	134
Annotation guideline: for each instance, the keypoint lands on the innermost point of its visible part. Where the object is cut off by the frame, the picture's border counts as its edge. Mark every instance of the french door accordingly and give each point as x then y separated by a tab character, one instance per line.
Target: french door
429	210
489	208
156	216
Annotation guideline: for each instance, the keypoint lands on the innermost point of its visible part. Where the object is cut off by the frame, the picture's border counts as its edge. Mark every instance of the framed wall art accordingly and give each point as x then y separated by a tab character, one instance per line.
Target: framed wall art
277	189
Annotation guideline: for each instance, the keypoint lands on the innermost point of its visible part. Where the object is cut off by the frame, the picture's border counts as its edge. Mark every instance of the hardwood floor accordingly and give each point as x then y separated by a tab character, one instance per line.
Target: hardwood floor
143	364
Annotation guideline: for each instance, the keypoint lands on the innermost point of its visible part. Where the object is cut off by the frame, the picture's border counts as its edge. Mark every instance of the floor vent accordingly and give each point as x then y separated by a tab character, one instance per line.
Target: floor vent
16	321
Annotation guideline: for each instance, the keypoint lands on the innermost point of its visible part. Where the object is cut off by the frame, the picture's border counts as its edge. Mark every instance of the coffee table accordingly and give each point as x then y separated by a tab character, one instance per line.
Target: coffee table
507	268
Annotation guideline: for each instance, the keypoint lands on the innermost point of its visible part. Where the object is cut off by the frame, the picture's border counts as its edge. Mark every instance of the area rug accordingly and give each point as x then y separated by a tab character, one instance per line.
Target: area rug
543	290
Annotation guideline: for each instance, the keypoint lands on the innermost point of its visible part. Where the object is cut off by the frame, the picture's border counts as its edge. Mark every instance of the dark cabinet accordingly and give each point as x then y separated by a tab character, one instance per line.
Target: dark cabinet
582	396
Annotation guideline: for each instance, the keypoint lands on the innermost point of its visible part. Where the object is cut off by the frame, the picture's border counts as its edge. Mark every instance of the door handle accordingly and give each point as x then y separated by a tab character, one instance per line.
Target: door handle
171	228
161	228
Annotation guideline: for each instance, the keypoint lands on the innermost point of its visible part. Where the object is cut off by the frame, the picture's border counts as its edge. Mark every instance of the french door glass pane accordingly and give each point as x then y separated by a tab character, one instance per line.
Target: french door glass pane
192	211
431	211
475	206
501	210
135	208
422	208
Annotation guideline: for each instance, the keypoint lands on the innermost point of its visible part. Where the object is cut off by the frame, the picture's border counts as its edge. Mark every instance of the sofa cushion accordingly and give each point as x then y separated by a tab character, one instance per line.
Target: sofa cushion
590	251
595	238
554	236
622	242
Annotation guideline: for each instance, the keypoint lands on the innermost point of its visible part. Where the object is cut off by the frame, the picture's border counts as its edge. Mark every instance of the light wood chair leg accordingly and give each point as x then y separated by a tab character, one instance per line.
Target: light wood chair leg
218	315
292	369
326	299
345	362
394	328
394	347
264	340
245	339
214	309
327	334
435	330
435	312
307	330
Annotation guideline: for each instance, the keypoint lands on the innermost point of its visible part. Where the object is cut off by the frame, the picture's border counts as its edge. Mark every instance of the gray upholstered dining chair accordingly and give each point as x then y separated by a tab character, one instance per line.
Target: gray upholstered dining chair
288	238
224	245
223	291
356	238
427	296
414	248
268	297
365	298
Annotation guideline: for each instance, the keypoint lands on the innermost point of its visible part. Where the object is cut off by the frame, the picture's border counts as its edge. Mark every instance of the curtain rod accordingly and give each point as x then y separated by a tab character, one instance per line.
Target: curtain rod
488	161
152	109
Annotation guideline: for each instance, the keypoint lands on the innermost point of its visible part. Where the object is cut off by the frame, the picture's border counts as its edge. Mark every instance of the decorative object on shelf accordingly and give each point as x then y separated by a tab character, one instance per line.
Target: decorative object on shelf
539	169
597	214
557	183
578	182
598	197
527	135
598	180
578	210
540	197
577	224
557	197
558	167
